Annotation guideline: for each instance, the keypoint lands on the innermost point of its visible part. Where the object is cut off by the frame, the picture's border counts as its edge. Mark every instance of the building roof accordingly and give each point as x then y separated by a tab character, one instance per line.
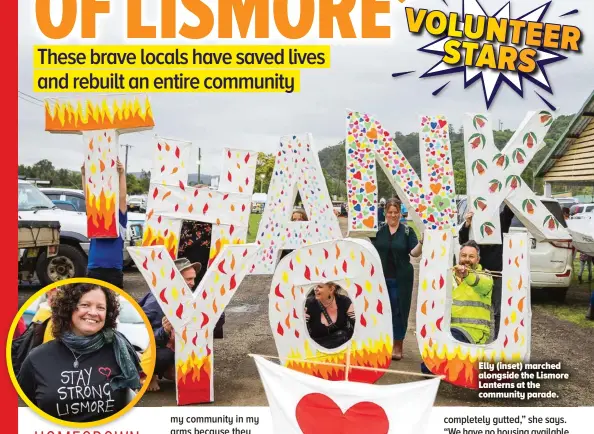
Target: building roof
582	121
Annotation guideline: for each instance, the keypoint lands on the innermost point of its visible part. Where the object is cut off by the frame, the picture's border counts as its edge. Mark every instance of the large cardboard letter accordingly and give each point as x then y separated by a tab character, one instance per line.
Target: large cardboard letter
493	177
432	198
297	169
457	361
100	119
356	267
171	200
194	316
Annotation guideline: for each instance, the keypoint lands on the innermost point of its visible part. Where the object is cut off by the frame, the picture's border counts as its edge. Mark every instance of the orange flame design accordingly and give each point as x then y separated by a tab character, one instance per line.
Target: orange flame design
88	116
193	380
150	238
101	218
378	355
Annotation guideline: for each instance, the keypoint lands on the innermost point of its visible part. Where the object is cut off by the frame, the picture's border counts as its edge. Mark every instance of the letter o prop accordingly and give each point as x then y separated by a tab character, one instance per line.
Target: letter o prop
356	267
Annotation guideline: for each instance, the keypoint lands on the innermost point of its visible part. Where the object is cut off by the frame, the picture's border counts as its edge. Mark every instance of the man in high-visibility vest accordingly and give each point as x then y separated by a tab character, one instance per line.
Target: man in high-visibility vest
471	298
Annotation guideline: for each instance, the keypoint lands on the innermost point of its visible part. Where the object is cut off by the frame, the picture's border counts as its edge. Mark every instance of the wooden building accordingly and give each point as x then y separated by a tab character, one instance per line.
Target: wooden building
571	159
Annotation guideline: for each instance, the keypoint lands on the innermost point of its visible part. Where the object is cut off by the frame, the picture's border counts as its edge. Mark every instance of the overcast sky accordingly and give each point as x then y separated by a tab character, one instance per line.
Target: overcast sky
360	79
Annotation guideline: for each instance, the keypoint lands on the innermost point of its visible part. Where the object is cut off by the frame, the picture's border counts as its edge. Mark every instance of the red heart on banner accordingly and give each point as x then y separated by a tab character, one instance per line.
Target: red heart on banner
318	413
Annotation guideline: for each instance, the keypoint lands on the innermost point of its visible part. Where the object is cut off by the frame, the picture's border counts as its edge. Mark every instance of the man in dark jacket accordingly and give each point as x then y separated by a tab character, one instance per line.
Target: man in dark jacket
491	257
164	334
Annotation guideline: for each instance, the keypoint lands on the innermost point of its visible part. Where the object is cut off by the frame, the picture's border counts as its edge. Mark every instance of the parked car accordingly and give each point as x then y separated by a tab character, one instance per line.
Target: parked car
65	205
137	203
131	325
71	260
581	208
551	264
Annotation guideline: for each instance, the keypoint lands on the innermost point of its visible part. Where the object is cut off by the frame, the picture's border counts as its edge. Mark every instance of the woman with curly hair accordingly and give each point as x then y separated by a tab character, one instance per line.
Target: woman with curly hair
87	371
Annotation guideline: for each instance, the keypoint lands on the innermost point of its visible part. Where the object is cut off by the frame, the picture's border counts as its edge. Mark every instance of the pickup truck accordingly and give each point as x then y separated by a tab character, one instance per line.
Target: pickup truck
36	238
71	260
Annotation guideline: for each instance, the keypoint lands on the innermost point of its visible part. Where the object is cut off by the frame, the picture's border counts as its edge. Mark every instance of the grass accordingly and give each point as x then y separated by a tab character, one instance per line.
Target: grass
579	297
253	227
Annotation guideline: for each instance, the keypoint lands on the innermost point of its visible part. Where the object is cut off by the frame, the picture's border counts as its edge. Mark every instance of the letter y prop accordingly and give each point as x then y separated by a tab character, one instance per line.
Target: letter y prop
194	316
494	176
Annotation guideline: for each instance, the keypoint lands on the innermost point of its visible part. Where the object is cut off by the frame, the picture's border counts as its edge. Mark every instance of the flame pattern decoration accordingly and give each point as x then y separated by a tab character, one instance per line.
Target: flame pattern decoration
432	197
194	316
102	112
457	361
171	200
100	120
169	168
502	181
296	169
102	184
355	266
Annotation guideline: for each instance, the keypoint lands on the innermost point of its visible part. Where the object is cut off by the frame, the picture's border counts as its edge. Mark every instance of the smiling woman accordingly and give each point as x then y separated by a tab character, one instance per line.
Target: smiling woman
86	372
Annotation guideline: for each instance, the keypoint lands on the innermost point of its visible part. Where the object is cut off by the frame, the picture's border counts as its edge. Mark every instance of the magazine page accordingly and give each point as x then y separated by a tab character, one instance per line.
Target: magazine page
313	216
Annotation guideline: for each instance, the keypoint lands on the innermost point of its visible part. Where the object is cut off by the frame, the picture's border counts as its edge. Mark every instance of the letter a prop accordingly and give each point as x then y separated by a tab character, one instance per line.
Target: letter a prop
444	355
494	176
297	169
194	316
101	120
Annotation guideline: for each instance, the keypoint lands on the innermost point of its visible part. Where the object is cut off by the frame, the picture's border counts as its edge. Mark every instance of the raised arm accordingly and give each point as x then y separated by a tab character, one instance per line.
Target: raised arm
84	180
123	191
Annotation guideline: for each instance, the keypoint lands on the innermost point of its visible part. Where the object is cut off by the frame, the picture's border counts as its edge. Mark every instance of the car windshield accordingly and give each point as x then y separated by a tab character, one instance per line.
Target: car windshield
553	207
31	198
128	314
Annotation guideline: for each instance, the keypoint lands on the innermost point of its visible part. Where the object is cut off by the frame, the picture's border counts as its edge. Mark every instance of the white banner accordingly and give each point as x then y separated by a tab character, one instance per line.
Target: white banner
258	420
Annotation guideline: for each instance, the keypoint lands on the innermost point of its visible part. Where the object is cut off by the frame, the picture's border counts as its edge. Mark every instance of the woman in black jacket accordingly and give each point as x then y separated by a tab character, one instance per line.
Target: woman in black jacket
330	316
86	373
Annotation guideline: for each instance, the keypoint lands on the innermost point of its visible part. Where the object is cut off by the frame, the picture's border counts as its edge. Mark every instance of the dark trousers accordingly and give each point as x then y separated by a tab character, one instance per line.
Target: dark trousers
165	360
400	300
109	275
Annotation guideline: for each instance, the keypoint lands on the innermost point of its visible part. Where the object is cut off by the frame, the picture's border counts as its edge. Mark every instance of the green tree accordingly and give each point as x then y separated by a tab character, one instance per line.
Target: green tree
133	185
264	170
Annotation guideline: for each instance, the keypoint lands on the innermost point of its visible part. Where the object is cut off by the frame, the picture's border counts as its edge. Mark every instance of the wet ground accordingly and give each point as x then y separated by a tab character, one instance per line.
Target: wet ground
247	330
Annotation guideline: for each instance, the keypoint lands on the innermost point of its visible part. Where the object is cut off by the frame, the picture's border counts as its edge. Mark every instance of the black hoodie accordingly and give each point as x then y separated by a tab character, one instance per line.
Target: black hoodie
491	255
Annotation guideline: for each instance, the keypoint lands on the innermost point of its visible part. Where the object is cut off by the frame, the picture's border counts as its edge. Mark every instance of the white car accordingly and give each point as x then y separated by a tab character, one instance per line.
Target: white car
137	203
71	260
551	262
131	325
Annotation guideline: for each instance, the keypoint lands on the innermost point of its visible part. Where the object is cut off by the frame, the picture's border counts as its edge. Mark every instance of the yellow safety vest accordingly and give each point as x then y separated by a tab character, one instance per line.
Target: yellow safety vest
471	307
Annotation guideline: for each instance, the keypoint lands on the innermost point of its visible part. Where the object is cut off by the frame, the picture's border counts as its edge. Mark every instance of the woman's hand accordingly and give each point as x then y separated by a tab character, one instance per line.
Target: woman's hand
306	315
468	218
167	325
351	312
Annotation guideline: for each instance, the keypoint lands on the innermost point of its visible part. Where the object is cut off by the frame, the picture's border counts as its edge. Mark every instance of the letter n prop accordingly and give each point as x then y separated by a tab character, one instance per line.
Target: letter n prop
368	144
444	355
194	316
494	176
100	120
355	266
296	169
171	200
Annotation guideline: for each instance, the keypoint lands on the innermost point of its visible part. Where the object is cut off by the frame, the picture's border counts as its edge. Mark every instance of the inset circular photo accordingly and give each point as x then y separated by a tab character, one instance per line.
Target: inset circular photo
81	352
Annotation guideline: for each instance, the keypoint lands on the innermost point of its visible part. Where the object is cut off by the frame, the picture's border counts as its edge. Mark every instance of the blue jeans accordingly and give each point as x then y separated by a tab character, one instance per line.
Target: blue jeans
400	299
